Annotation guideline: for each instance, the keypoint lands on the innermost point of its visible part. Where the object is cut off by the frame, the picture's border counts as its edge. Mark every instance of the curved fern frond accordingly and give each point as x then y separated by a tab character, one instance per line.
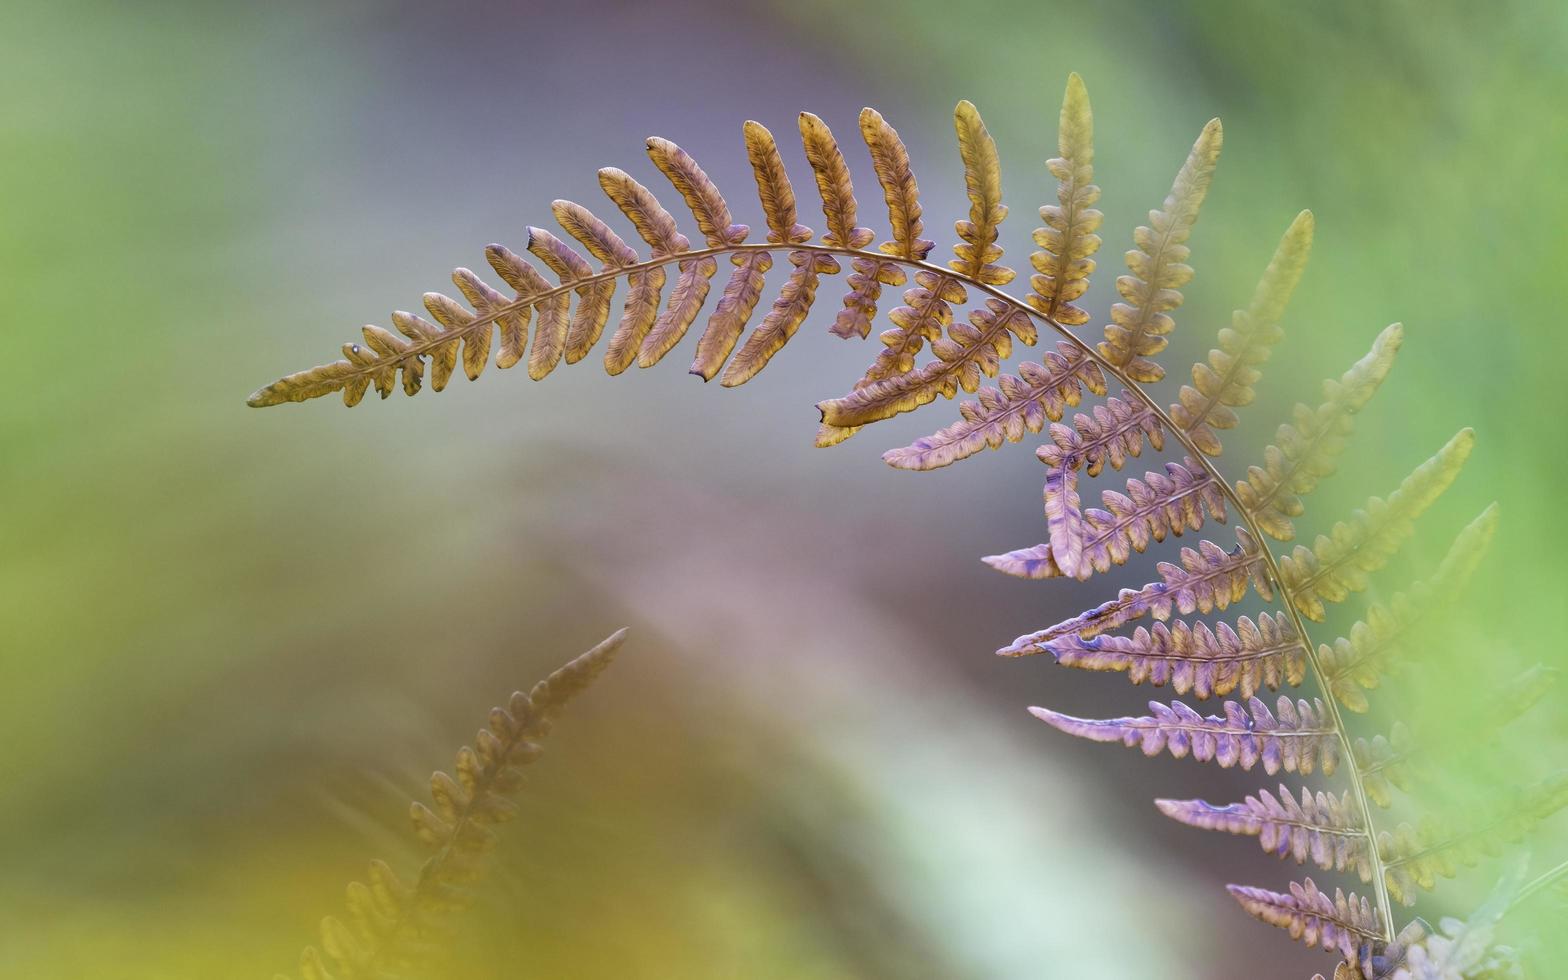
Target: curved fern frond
1195	659
1321	828
394	926
1068	241
1342	924
1304	453
1139	326
1250	655
1208	578
1111	433
1225	380
1090	541
1379	644
1415	858
1300	738
1339	563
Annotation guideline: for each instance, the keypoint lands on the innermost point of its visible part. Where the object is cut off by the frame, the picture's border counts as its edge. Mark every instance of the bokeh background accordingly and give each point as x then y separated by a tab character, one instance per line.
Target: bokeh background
236	642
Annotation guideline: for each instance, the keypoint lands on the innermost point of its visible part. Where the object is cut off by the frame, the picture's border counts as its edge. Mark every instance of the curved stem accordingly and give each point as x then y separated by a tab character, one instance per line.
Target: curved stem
1542	882
1111	370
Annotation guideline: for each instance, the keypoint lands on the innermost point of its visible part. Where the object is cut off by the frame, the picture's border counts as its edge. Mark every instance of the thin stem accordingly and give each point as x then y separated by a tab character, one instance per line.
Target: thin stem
1541	883
1133	388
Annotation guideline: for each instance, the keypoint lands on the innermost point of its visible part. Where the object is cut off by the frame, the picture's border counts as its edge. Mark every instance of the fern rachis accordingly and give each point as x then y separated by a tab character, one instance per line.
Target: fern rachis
1272	651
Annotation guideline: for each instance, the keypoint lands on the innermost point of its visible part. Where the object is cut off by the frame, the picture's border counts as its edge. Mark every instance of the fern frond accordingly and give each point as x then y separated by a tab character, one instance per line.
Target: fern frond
1301	738
1208	578
1018	405
1379	644
1139	326
783	320
1339	563
1114	431
1068	241
1415	858
1396	761
890	159
1193	658
744	288
969	352
1321	828
1225	381
1092	541
890	385
1342	924
393	926
1304	453
833	183
593	299
978	253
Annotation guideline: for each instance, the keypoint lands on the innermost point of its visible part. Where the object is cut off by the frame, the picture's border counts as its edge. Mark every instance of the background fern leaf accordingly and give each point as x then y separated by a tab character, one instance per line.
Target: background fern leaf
1339	563
393	927
1225	381
1379	643
1139	326
1308	450
1415	858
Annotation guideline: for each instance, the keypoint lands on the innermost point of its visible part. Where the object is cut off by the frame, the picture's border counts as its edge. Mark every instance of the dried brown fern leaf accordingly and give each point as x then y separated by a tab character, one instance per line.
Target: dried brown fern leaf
394	926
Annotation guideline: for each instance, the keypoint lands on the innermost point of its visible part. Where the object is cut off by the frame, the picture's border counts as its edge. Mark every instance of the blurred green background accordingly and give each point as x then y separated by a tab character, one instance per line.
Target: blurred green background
238	641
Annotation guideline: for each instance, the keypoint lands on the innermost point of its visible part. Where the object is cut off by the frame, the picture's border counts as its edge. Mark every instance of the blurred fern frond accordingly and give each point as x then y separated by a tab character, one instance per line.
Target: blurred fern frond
393	926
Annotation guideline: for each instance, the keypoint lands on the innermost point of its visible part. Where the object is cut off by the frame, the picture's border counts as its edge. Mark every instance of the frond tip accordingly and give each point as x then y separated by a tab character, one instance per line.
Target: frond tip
392	925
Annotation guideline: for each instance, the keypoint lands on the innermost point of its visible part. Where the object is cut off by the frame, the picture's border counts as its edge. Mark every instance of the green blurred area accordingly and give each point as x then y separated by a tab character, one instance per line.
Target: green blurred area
238	641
